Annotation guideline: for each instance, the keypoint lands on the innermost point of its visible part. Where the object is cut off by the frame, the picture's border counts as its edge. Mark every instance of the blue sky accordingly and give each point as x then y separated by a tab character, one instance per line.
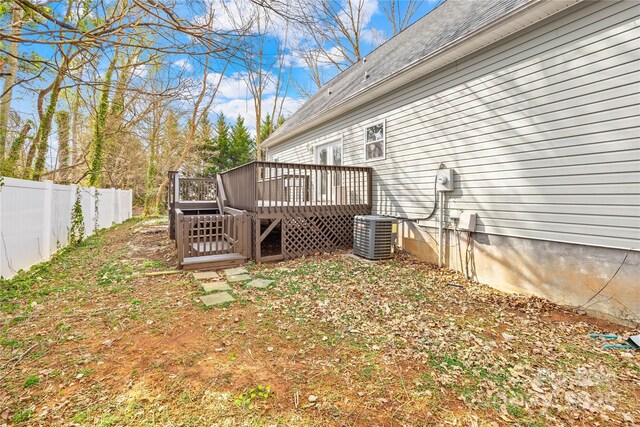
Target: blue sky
234	98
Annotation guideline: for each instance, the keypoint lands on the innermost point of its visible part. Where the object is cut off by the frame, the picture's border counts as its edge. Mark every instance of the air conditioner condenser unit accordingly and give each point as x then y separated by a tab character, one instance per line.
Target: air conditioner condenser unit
374	236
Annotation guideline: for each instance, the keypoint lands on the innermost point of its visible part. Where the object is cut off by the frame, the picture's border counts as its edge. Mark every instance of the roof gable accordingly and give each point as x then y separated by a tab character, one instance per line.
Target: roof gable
449	22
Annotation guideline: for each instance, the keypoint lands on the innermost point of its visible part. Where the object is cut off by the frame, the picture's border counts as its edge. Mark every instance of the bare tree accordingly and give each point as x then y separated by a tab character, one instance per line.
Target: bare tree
17	15
400	13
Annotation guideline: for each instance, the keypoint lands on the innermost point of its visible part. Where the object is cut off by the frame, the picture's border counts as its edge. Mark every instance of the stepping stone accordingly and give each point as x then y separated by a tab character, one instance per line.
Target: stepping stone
261	283
216	299
201	275
238	278
235	271
215	286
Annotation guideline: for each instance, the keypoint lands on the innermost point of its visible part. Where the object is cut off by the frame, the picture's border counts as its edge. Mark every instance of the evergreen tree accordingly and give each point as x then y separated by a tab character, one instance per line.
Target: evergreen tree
205	131
216	149
267	128
241	144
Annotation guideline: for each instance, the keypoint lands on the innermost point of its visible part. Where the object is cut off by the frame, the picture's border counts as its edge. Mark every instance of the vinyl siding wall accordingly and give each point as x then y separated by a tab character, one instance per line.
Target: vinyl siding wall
542	131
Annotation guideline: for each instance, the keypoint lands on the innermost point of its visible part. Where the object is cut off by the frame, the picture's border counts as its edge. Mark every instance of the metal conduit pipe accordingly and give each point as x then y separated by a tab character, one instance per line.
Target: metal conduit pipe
440	226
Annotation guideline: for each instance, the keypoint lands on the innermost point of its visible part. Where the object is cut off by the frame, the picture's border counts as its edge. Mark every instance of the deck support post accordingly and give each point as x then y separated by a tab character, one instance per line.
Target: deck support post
179	231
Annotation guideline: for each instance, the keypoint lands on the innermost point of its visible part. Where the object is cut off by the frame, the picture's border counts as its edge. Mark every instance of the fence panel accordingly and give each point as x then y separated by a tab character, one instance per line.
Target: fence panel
35	218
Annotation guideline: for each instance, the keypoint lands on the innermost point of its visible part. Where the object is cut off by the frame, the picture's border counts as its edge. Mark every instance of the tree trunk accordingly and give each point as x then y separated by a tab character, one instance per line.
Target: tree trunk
75	125
10	164
62	122
10	78
41	140
99	136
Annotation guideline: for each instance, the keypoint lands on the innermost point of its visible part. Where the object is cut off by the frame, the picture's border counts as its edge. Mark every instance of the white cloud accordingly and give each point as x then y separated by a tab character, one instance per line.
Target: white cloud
140	71
234	86
324	57
183	64
373	36
231	108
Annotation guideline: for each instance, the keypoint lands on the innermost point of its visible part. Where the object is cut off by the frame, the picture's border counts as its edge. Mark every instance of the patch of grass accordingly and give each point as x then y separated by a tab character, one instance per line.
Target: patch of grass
31	381
63	328
80	417
368	371
47	277
115	275
108	421
426	383
415	295
246	399
153	264
515	411
20	417
87	372
446	362
11	343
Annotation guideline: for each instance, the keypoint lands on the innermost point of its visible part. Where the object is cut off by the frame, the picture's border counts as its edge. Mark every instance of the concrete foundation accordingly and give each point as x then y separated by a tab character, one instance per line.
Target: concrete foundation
566	274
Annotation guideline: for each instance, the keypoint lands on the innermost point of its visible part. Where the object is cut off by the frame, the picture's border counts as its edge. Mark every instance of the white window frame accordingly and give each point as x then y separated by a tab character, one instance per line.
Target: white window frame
382	122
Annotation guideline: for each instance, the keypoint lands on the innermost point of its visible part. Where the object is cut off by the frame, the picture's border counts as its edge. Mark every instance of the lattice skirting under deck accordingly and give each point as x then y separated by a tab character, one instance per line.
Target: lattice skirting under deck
310	235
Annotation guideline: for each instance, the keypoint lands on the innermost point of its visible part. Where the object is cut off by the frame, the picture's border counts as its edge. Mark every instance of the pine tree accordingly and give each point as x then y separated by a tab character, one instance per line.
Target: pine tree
218	148
205	131
266	129
241	144
204	145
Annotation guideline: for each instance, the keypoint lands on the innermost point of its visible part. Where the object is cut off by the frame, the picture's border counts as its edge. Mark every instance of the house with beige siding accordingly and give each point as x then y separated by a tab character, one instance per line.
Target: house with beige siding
535	107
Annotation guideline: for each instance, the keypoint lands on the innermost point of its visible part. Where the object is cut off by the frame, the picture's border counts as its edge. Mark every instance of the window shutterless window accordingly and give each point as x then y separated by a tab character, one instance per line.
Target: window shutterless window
375	141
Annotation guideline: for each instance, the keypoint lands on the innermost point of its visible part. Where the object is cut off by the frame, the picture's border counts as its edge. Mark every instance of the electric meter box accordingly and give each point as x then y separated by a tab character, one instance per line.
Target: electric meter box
444	180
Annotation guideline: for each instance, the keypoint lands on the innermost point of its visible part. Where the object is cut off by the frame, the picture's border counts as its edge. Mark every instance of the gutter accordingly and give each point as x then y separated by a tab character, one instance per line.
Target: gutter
483	37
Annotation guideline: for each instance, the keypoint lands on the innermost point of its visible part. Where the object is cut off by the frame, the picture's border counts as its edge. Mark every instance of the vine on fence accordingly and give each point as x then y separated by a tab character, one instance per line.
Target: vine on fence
96	222
76	233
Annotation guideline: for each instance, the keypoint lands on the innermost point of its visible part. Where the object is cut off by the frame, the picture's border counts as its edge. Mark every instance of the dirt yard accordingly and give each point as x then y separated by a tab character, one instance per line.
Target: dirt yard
89	339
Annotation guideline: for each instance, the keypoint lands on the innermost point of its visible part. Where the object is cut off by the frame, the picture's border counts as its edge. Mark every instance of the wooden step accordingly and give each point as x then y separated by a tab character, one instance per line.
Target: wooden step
213	262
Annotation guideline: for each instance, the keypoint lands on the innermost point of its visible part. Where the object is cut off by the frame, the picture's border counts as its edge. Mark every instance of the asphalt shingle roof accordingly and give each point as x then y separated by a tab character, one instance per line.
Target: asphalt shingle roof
447	23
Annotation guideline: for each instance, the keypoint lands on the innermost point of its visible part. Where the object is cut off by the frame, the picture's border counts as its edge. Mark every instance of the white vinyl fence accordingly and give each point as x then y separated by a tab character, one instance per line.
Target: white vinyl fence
35	218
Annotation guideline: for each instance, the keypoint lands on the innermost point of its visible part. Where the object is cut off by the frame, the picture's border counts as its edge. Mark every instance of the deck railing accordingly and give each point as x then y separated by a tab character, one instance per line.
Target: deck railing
192	189
202	235
270	187
187	190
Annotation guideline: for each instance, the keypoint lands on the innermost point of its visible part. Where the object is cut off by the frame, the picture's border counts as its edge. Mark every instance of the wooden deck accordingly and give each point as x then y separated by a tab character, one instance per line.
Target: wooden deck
267	211
308	208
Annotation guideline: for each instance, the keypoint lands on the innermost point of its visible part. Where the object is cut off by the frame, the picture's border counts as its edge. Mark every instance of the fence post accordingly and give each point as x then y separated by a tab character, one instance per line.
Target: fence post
179	229
129	203
46	220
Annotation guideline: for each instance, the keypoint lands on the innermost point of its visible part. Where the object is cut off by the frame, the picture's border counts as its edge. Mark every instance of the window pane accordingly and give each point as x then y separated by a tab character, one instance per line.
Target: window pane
375	133
375	150
323	156
337	155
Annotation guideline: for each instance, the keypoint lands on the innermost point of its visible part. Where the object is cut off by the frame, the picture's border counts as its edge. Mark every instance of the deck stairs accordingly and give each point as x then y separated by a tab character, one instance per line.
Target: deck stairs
213	262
